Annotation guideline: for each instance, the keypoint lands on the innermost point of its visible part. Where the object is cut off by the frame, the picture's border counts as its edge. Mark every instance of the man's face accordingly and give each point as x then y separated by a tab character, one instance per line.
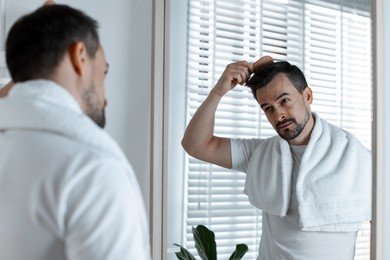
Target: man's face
286	109
93	95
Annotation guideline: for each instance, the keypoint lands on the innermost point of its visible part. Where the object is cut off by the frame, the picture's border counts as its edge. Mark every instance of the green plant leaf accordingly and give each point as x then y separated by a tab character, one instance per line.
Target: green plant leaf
240	251
184	254
205	242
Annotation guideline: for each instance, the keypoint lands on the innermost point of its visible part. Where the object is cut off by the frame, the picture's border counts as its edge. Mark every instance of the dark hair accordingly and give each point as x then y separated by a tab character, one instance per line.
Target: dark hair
37	41
265	74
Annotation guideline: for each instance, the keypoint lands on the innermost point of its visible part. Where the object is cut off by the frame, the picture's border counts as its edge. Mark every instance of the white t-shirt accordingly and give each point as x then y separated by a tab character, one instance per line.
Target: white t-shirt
282	238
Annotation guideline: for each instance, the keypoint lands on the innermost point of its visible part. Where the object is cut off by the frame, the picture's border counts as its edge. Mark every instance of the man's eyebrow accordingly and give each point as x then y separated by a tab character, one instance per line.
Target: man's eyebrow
282	95
278	97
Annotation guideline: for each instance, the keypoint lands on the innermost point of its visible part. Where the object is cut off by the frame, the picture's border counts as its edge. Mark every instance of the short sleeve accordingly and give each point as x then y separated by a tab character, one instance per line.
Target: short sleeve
242	150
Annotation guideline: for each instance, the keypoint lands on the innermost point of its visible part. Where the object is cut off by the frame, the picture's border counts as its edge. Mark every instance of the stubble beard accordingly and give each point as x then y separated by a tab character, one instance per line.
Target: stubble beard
95	112
288	134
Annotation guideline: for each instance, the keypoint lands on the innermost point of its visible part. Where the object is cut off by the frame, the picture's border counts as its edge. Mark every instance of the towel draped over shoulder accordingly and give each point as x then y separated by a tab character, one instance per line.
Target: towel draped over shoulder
333	186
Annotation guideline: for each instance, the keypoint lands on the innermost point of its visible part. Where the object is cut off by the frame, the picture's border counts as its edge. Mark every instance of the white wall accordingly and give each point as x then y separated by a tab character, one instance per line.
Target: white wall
126	35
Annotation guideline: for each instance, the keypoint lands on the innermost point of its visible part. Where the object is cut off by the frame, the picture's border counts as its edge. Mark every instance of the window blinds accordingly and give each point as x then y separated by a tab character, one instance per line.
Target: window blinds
330	41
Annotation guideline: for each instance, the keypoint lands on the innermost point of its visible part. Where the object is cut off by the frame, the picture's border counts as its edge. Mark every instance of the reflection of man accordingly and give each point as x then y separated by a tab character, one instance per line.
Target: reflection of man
66	189
312	181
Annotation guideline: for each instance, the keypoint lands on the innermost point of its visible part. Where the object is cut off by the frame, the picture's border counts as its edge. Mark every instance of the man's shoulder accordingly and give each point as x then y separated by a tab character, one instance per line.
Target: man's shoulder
350	138
339	130
63	148
250	144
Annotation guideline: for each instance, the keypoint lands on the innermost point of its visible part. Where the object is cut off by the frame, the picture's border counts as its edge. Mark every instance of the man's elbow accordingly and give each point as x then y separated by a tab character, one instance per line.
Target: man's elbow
190	148
186	146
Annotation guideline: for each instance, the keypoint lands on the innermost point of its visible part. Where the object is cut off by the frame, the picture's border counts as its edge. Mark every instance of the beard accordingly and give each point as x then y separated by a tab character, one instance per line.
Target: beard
95	111
98	117
288	134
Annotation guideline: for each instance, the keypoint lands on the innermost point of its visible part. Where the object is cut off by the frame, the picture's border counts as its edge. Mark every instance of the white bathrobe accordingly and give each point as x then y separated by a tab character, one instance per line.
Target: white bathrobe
66	189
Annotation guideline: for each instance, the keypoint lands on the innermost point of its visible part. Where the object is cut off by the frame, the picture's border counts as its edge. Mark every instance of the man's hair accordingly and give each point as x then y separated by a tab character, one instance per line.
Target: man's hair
267	73
38	41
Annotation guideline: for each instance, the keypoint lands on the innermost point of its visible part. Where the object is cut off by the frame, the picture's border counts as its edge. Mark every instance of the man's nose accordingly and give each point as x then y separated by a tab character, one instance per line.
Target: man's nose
280	115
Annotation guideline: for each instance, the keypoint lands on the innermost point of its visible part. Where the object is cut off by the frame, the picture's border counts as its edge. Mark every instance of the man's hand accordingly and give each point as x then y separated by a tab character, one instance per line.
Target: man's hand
199	140
238	73
235	73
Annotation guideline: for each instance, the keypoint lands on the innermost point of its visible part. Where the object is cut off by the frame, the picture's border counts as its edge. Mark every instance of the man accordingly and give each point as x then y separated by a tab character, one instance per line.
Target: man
312	181
66	189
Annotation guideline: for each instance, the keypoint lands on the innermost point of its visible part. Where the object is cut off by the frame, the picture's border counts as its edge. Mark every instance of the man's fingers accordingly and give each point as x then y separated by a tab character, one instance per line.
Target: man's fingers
239	75
243	73
239	71
49	2
261	62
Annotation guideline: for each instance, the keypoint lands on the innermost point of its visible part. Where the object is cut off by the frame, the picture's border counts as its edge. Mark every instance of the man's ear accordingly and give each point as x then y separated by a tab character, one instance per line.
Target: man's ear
308	95
78	57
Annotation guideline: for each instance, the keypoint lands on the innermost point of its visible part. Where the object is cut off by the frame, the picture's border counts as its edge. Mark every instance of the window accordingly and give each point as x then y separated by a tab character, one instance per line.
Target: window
329	40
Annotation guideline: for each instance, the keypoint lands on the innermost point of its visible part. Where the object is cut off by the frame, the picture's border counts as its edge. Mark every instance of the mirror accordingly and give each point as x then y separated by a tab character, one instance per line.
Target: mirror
329	42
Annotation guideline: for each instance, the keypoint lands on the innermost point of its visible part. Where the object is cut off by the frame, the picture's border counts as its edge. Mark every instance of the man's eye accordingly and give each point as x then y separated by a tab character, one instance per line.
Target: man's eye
284	100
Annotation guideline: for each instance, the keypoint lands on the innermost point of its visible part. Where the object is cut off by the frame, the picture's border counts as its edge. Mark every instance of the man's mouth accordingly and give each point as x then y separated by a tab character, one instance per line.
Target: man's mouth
284	125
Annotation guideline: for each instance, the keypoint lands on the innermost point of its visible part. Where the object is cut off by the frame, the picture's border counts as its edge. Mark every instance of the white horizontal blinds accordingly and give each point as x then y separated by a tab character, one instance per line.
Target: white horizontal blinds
282	30
237	37
226	31
220	205
356	74
322	60
338	64
362	251
275	27
200	51
312	35
295	32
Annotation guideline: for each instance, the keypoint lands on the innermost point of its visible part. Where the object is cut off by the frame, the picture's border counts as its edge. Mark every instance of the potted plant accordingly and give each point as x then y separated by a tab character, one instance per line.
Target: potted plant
206	246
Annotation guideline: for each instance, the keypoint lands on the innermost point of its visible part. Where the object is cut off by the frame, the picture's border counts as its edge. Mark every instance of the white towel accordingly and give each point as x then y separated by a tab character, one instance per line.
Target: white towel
333	186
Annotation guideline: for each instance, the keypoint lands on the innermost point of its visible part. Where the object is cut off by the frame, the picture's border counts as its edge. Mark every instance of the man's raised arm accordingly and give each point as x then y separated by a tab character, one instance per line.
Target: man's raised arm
199	140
